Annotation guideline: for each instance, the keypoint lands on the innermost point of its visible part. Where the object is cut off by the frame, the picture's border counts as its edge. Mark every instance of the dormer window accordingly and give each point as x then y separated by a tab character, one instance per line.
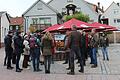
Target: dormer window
69	0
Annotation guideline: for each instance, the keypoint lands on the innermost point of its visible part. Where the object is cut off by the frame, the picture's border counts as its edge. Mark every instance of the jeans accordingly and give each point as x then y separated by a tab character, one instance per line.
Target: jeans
105	52
91	57
94	56
47	62
35	58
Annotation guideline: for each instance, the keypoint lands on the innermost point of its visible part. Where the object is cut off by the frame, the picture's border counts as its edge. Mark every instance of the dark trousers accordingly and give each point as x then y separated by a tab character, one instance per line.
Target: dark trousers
35	58
5	59
83	54
18	55
8	58
47	62
14	58
75	50
66	57
25	61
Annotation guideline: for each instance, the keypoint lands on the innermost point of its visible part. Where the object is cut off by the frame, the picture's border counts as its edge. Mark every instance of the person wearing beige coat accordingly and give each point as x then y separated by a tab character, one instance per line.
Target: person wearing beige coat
26	51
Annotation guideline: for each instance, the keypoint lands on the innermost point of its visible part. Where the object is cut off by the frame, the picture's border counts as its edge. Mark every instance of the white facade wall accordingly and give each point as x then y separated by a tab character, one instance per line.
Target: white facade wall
40	10
4	26
84	7
29	20
111	15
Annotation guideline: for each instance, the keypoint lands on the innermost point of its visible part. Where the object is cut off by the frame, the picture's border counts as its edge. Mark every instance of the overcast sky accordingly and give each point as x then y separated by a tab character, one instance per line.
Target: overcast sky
18	7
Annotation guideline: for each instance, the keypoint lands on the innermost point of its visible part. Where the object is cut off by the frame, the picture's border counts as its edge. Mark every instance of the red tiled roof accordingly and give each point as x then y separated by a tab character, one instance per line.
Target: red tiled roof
16	21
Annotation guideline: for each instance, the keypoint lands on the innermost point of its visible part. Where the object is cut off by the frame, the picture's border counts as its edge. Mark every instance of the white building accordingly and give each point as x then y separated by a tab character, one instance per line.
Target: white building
40	14
111	16
4	26
45	14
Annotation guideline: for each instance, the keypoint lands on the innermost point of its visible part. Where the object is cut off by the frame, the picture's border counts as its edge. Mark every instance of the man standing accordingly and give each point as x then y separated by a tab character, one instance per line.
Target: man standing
18	44
94	46
74	45
104	43
8	49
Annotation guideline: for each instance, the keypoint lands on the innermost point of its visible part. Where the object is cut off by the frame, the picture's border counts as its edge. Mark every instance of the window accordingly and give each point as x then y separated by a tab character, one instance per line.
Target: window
17	27
69	0
116	20
35	20
39	6
45	21
116	11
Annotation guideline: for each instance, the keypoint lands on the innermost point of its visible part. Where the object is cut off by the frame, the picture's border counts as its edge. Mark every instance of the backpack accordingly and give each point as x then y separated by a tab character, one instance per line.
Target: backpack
32	42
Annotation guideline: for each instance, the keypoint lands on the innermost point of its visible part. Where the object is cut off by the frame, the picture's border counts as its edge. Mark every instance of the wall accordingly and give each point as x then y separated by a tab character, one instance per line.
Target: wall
84	7
40	10
29	20
109	13
112	36
4	27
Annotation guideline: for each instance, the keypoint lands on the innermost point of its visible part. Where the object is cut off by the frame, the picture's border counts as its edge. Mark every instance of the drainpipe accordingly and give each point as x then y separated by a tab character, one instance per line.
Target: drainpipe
114	37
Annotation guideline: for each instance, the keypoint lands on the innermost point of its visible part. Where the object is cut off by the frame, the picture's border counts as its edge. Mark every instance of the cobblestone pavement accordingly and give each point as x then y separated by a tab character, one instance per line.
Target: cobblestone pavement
106	70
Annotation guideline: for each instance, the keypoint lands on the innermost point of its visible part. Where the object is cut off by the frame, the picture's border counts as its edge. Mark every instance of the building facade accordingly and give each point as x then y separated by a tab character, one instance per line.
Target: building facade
16	23
4	26
111	16
42	15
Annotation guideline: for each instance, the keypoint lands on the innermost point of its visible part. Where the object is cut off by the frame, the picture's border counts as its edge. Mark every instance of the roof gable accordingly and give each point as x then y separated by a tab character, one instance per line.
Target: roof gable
65	2
37	4
113	4
1	13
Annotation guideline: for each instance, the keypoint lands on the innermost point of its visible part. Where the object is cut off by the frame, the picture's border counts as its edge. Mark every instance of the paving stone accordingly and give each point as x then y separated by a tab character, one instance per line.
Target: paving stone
106	70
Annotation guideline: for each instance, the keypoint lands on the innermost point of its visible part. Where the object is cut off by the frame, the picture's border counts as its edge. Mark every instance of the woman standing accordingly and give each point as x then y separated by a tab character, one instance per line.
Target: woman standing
26	51
47	42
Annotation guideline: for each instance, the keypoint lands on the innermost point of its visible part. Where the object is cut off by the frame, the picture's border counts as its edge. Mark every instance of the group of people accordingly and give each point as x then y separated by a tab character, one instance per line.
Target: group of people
31	46
80	45
77	45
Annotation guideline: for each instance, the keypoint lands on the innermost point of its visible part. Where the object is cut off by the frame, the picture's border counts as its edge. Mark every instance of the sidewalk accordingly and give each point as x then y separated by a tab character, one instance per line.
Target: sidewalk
106	70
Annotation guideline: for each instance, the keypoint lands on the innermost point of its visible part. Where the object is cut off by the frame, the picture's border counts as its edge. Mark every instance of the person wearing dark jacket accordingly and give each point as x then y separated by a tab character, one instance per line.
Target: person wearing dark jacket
8	49
104	43
18	45
83	46
94	45
74	45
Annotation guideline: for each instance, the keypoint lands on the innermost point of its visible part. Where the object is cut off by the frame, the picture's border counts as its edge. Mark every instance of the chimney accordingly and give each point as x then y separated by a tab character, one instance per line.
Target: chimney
118	4
98	4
